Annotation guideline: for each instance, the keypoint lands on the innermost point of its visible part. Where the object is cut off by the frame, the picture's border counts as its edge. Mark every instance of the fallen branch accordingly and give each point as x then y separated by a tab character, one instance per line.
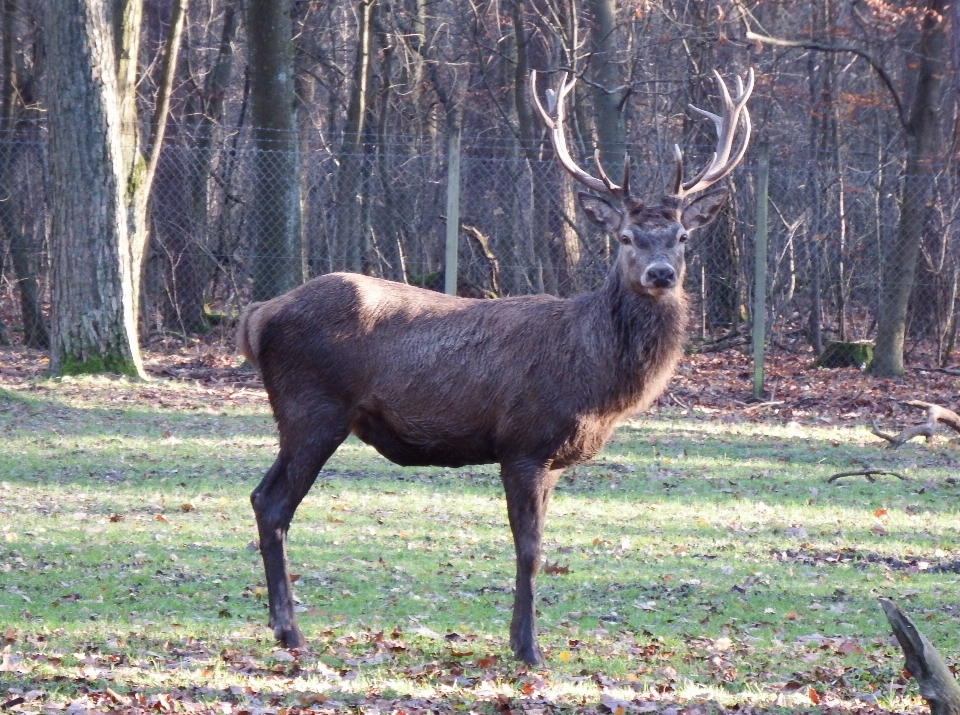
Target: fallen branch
944	370
937	684
761	405
935	414
868	473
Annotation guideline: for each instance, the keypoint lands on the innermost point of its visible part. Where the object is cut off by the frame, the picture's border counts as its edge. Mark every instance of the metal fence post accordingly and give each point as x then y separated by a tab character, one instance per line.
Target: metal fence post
453	206
760	271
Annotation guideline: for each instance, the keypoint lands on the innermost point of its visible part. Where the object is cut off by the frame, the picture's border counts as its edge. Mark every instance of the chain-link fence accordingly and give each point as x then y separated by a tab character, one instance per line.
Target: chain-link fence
380	209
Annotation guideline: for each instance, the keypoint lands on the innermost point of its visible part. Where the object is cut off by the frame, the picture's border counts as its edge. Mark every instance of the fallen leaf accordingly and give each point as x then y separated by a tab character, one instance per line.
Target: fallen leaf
555	569
848	647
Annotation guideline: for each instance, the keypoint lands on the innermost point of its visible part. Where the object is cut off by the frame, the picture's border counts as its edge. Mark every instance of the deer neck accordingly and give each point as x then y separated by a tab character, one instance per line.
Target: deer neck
642	339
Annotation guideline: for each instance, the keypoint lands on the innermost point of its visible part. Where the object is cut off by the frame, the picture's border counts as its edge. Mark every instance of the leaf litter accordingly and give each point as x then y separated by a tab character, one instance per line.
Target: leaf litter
404	668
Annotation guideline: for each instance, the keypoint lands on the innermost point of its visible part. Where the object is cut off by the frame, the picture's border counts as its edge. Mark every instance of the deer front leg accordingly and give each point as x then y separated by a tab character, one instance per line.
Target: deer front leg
528	486
274	502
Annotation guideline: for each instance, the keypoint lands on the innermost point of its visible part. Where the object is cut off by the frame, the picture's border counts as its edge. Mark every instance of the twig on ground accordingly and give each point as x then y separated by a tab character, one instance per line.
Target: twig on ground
868	473
678	400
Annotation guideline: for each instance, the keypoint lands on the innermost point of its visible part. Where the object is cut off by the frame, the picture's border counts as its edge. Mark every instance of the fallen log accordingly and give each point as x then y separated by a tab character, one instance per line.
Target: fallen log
937	684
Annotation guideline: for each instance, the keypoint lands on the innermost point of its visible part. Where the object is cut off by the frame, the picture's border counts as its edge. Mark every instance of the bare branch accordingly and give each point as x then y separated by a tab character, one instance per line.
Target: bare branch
868	473
825	47
158	123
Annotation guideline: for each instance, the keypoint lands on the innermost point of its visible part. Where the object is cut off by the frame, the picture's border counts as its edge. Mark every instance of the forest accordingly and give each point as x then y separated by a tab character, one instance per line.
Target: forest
166	162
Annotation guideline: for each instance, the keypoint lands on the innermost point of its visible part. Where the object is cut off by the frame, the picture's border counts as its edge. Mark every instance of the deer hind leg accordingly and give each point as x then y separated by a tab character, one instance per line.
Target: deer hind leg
274	502
528	486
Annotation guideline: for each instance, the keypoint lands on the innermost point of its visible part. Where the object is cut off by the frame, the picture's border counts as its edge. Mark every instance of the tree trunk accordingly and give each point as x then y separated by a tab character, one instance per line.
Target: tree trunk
186	249
900	259
275	203
542	169
607	94
350	184
35	333
94	323
102	182
717	242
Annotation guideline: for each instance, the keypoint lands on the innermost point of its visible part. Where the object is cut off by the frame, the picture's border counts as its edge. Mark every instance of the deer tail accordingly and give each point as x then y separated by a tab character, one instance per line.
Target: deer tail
248	333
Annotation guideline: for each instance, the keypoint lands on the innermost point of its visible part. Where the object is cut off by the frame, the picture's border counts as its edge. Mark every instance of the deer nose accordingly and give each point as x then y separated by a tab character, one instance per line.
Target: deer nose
661	275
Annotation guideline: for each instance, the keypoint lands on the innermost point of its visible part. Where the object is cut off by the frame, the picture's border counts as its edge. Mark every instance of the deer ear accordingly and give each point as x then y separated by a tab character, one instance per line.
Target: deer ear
600	211
704	209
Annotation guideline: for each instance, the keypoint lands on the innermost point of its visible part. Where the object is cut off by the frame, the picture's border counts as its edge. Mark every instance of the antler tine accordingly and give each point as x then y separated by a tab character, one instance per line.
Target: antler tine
611	187
536	100
721	163
555	102
625	186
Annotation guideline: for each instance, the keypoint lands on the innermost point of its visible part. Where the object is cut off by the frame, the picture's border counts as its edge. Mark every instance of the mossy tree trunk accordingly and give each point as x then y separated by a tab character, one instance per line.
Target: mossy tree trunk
100	180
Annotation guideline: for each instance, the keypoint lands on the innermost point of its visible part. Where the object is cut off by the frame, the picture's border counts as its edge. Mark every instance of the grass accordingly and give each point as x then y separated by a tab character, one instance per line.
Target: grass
695	561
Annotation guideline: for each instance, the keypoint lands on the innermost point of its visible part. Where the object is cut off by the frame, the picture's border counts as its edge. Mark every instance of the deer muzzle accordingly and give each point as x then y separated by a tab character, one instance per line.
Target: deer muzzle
659	276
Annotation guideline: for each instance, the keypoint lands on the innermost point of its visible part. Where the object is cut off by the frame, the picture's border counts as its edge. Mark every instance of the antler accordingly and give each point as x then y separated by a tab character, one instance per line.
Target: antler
722	163
553	119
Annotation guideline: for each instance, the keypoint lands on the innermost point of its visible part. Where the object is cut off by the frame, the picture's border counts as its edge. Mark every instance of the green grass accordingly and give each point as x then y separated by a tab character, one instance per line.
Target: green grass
694	560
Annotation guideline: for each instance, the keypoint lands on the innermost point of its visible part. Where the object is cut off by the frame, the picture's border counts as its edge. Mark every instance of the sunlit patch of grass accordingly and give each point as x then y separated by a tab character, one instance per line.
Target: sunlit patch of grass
691	561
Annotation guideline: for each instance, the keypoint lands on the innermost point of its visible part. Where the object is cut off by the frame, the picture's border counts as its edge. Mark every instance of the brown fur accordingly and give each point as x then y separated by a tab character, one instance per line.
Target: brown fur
535	383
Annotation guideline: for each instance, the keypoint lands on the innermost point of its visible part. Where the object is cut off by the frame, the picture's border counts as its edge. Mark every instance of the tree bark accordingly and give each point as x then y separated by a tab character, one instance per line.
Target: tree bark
35	334
900	259
275	203
94	323
937	684
542	169
608	94
102	182
187	246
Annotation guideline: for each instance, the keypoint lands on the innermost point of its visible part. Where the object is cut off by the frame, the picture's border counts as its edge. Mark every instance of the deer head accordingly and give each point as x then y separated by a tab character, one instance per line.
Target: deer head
651	260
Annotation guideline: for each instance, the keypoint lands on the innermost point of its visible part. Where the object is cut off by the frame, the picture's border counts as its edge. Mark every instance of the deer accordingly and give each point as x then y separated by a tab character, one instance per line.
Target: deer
533	383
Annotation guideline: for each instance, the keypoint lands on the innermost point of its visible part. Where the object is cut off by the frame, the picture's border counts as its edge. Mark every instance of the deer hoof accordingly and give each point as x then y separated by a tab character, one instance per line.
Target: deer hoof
530	655
290	637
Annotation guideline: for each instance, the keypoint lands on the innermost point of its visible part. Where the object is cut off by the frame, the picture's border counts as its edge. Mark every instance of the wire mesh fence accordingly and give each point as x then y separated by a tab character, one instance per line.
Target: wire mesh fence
380	209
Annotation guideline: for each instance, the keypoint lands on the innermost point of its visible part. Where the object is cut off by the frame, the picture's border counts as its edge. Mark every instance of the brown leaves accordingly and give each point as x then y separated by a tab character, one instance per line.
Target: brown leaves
13	663
555	569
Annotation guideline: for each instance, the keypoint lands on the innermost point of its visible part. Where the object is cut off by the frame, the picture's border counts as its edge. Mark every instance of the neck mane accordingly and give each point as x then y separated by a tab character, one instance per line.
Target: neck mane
645	337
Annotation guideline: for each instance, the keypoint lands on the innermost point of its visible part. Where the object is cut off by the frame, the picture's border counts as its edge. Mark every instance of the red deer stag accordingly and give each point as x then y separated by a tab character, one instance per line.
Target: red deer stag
535	383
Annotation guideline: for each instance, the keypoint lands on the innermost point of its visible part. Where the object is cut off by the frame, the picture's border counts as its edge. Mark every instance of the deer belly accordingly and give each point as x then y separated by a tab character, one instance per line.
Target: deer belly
411	447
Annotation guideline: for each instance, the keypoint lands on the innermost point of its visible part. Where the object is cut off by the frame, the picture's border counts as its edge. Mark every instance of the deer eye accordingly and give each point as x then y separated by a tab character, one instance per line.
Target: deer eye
625	238
683	237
